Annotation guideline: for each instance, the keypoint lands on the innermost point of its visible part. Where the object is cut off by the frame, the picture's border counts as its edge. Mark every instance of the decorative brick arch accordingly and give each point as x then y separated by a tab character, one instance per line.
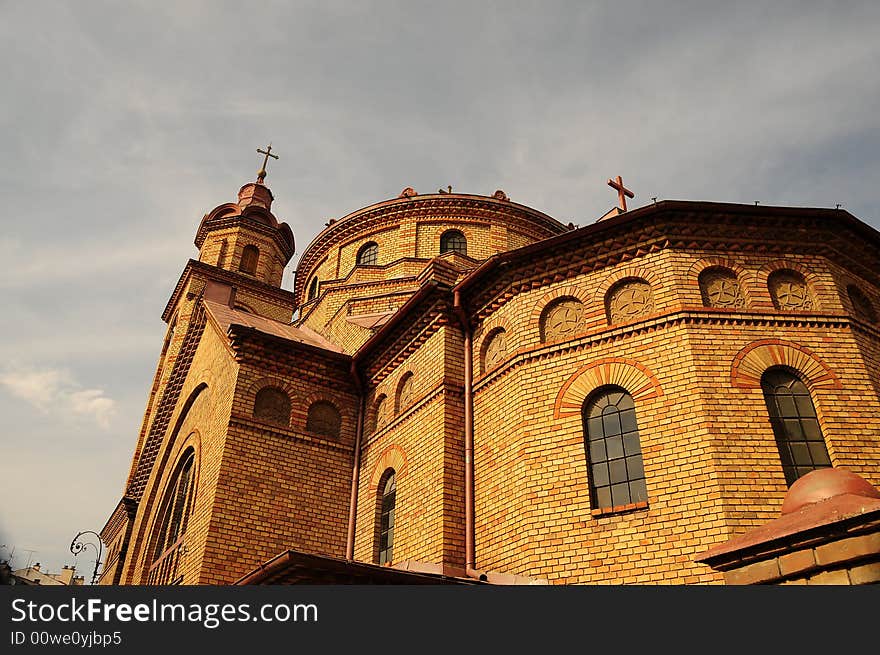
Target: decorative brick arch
569	291
271	381
301	410
741	293
628	374
628	273
393	457
712	262
490	326
752	361
498	338
778	264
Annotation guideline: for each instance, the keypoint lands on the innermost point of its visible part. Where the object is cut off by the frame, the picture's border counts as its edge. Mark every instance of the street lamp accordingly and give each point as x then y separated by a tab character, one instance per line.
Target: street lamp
77	546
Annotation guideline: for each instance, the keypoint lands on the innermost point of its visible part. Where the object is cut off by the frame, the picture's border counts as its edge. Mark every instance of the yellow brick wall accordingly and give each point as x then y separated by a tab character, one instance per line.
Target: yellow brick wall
424	445
297	480
204	428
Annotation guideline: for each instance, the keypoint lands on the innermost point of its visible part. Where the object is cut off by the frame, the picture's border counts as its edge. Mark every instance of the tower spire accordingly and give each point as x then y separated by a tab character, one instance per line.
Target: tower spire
261	174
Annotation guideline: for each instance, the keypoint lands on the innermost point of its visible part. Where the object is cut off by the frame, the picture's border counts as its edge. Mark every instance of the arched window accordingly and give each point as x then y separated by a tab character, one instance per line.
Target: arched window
614	453
368	254
720	288
385	522
453	241
313	288
405	393
249	258
272	405
324	419
176	506
789	291
795	425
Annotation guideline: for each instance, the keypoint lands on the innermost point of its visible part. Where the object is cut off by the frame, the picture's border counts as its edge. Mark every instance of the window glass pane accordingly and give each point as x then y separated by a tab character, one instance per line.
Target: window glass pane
785	454
600	475
634	467
611	423
638	492
628	420
594	427
801	454
786	405
620	494
811	429
603	497
792	428
819	453
597	451
804	406
625	402
614	446
631	444
617	469
803	470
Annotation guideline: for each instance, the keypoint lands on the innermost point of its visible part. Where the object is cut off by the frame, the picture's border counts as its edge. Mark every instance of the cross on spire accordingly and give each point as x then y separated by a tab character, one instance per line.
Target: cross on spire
261	174
622	192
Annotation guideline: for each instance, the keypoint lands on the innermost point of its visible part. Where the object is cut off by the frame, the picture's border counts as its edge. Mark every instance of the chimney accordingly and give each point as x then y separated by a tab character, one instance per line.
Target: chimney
66	575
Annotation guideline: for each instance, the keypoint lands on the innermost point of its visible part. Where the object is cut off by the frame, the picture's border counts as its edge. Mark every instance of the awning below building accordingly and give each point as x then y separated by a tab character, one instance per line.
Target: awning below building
294	567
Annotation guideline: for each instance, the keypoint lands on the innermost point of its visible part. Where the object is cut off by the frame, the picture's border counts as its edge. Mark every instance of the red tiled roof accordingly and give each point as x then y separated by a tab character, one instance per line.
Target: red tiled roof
225	316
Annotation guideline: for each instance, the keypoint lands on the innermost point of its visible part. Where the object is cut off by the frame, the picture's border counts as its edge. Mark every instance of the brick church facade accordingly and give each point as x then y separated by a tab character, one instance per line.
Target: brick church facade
460	388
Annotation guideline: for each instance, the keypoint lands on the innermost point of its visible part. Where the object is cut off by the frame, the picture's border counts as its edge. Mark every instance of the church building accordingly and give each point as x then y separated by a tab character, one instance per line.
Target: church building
462	389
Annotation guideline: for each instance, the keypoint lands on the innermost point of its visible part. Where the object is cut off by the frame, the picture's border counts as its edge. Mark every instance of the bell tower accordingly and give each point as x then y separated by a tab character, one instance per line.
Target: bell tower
245	237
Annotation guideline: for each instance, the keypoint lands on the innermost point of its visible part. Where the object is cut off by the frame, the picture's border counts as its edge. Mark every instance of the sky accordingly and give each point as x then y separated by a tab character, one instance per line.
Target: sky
122	124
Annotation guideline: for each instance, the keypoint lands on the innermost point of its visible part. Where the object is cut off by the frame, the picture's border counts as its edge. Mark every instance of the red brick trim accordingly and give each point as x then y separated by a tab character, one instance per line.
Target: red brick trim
393	457
619	509
750	363
701	265
568	291
627	273
629	374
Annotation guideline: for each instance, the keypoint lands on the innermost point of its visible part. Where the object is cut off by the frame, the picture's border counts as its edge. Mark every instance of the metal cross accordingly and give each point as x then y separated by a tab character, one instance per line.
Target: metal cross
261	174
622	192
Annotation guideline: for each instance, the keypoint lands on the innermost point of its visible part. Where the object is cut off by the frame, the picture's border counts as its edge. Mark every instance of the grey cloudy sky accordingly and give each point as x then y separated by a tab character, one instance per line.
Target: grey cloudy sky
121	124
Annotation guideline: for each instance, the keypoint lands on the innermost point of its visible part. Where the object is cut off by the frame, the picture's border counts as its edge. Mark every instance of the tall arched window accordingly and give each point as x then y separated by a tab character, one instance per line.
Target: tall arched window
453	241
795	425
368	254
385	524
313	288
249	258
272	405
176	506
614	453
324	419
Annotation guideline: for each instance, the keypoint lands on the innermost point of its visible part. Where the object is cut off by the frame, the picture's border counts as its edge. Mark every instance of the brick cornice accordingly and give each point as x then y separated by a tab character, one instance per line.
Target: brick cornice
650	324
725	228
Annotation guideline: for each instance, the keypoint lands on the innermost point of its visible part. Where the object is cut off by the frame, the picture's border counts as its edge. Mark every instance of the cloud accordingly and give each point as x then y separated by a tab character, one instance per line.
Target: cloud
55	391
